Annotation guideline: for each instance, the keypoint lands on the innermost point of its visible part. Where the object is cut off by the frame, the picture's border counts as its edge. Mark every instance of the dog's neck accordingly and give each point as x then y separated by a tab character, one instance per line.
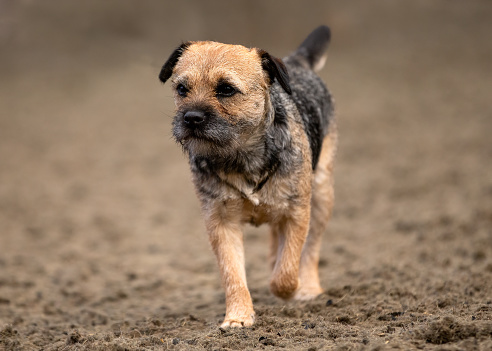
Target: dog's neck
248	168
253	162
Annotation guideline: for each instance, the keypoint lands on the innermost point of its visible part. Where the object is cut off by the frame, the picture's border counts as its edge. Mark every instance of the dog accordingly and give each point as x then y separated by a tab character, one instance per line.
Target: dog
261	138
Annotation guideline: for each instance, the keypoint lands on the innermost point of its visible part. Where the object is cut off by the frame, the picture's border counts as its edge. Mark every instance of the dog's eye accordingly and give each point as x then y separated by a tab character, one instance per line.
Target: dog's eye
182	90
225	89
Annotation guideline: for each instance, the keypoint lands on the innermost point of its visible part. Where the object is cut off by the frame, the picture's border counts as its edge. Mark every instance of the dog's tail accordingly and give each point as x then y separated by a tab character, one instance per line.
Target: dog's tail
312	50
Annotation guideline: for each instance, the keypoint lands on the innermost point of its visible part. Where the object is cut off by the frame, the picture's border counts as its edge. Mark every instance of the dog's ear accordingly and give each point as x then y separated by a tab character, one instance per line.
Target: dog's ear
276	70
167	69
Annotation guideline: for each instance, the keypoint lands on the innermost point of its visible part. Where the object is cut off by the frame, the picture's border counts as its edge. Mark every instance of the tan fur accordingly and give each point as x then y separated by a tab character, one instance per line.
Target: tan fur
221	61
225	235
321	206
294	254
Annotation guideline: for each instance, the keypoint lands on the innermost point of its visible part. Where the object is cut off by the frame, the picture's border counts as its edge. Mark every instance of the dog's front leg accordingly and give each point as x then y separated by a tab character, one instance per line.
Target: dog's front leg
226	239
290	233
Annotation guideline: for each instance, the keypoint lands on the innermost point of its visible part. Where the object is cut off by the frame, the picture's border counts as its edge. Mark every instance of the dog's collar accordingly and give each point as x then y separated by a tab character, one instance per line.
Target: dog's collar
267	176
251	195
251	188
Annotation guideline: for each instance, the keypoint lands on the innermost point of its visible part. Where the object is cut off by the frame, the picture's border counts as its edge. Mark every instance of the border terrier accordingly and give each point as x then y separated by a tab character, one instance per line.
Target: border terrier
261	138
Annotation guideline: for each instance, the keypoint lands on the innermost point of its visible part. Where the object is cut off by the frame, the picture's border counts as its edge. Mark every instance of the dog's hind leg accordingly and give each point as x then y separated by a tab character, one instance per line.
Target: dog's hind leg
321	206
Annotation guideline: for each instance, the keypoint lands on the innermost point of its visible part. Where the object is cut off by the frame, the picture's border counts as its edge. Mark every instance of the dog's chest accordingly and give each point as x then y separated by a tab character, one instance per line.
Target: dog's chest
262	197
235	186
262	205
263	190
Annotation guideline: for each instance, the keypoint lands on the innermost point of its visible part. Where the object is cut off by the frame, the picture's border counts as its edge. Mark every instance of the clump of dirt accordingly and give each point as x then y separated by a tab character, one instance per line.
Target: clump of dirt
9	338
451	329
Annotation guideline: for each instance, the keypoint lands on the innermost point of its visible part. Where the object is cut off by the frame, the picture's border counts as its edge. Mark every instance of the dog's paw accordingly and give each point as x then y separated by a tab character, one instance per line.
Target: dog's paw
238	321
305	293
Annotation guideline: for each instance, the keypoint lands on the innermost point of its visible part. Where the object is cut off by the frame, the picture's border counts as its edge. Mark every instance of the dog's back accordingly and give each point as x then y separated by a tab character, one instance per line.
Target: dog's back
309	93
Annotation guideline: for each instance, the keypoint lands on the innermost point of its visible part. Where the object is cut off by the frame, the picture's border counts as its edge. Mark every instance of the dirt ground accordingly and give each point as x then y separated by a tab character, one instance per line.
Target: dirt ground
102	246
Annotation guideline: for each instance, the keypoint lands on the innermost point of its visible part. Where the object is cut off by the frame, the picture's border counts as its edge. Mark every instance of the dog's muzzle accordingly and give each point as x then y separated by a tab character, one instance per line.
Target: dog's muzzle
196	128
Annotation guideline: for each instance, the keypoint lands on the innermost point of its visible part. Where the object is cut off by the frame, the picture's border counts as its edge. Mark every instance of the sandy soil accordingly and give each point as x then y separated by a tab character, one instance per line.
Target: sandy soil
102	245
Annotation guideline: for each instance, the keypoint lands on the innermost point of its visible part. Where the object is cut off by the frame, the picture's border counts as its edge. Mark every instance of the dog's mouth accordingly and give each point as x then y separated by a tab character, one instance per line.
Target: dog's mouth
208	135
214	133
194	140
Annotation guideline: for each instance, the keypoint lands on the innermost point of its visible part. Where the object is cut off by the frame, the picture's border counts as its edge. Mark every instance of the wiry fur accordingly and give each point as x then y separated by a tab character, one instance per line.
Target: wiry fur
262	155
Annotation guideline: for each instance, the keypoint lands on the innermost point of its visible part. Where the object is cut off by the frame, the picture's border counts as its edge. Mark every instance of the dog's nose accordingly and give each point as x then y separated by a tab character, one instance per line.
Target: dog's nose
194	118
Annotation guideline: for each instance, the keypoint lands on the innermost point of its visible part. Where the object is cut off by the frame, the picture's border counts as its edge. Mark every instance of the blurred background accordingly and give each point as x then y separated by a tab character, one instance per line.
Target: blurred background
96	197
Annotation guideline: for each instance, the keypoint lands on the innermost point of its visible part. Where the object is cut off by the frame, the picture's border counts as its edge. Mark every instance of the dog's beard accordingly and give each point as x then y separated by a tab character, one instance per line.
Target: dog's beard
218	137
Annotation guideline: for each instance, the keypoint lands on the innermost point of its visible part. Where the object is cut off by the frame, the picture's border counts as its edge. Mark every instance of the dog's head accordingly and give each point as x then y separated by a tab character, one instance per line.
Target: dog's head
221	94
